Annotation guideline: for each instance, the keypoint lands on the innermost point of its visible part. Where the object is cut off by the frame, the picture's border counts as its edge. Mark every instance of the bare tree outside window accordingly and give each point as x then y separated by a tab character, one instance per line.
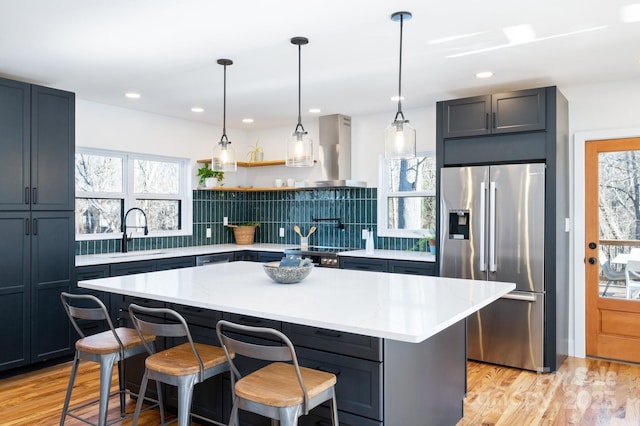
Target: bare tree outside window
407	195
108	184
95	176
619	196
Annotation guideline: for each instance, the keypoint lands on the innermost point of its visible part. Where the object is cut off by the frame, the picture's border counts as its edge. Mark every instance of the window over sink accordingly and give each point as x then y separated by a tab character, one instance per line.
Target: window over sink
407	196
108	183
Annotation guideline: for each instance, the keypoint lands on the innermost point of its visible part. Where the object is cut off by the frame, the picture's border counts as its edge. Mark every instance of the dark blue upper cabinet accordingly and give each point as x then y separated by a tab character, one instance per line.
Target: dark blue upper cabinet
519	111
15	148
52	149
37	146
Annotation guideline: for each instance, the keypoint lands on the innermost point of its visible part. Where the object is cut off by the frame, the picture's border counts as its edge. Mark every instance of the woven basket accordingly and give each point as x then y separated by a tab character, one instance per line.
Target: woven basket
244	234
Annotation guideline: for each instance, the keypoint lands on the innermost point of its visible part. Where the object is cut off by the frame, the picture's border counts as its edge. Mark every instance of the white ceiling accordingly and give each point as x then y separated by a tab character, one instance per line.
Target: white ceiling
166	50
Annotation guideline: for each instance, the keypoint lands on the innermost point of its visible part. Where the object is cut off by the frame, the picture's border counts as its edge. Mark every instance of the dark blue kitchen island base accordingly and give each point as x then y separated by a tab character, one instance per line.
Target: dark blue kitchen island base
425	383
380	381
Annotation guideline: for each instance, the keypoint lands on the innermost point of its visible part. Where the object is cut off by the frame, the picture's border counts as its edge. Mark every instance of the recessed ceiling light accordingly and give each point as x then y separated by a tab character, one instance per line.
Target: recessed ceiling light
395	98
197	109
314	110
247	120
132	95
484	74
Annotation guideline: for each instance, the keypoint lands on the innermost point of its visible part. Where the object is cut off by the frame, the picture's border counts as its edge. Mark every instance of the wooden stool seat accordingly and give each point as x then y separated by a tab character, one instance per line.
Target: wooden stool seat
183	366
282	390
106	348
180	360
277	384
105	342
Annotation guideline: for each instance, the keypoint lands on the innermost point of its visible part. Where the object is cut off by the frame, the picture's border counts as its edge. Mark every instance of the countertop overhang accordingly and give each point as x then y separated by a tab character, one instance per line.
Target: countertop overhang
165	253
407	308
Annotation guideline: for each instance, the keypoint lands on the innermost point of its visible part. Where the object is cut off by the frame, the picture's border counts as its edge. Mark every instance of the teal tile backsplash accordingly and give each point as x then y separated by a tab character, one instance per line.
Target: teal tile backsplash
355	207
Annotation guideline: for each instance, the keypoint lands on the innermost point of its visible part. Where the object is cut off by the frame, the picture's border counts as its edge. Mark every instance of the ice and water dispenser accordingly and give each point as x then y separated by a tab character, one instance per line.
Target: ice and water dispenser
459	224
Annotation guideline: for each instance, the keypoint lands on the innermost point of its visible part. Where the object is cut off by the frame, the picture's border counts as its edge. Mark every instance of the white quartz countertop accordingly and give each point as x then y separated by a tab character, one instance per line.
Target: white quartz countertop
408	308
131	256
106	258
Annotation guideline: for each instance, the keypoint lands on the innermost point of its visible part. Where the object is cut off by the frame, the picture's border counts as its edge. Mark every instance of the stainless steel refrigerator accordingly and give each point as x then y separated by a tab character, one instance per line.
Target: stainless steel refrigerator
492	228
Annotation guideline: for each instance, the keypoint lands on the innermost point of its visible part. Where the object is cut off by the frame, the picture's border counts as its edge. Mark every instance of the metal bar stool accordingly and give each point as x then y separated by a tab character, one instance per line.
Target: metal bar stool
106	348
184	365
282	391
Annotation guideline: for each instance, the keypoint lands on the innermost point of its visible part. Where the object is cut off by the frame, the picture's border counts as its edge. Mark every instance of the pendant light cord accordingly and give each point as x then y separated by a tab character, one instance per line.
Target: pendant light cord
399	113
299	90
224	138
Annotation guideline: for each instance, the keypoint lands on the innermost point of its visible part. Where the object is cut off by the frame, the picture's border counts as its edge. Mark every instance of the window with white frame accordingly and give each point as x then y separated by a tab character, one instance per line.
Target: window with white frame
407	196
109	183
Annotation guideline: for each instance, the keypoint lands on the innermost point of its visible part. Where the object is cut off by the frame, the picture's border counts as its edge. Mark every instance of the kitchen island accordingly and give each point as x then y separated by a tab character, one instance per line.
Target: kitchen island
414	325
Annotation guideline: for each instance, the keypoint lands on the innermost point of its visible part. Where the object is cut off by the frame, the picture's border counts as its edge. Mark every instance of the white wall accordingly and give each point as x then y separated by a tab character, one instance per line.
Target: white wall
367	133
105	126
367	144
599	111
273	141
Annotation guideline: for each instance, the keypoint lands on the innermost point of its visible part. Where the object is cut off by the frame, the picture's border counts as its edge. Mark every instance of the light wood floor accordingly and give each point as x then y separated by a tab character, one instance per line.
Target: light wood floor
36	398
584	392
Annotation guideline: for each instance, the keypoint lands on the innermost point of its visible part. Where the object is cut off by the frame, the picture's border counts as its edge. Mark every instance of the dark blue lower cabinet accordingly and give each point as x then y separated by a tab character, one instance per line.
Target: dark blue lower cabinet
359	386
321	416
363	264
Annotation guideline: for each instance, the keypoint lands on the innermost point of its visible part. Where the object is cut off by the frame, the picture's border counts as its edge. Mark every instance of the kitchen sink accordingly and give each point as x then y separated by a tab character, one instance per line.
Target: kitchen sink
134	254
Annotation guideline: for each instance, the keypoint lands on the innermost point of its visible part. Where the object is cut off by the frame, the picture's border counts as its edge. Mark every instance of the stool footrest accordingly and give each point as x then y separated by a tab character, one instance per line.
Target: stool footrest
70	411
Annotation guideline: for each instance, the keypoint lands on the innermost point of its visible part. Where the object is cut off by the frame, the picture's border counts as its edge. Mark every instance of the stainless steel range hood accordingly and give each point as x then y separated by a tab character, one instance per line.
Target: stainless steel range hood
335	153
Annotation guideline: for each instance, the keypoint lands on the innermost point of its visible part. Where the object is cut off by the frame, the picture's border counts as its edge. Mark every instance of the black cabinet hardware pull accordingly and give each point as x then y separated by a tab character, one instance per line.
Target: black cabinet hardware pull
328	333
249	319
494	120
27	192
34	195
26	227
486	121
35	227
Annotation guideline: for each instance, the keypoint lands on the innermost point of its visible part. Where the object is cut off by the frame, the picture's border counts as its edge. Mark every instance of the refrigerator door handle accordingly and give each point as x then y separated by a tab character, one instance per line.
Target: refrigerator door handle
483	199
524	297
492	228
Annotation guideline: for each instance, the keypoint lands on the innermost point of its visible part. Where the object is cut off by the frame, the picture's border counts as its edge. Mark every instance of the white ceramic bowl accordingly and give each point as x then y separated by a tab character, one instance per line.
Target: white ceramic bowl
287	274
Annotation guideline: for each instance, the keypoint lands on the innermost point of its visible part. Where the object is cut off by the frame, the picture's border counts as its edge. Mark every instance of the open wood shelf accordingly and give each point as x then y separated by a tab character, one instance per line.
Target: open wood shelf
254	163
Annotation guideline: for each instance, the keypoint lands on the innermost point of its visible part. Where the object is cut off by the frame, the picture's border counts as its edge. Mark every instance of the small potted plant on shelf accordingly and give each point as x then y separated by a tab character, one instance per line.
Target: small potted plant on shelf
209	177
431	240
256	153
244	233
426	243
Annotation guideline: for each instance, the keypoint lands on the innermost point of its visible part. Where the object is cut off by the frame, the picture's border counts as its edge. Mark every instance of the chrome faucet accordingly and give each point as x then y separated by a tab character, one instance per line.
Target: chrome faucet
125	239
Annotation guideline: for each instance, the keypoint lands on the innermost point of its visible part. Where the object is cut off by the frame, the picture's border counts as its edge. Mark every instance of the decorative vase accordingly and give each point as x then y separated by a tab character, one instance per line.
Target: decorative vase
256	156
210	182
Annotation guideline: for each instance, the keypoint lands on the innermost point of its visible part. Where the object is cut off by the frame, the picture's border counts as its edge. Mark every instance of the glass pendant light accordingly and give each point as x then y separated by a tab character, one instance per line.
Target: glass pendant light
299	144
224	156
400	136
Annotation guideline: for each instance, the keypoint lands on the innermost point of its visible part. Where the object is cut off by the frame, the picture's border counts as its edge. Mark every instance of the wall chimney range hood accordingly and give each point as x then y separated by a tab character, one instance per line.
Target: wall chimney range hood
335	153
